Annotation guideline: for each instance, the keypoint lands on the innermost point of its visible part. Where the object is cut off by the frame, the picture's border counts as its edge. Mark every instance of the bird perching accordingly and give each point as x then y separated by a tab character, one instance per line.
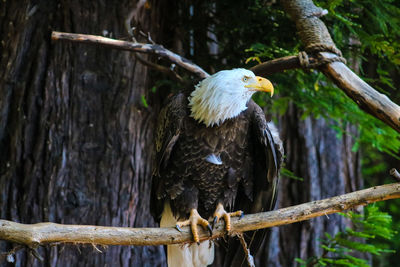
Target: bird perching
216	157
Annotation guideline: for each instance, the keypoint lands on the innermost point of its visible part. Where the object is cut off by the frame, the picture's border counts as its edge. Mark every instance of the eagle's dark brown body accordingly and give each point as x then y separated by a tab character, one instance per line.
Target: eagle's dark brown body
183	176
192	182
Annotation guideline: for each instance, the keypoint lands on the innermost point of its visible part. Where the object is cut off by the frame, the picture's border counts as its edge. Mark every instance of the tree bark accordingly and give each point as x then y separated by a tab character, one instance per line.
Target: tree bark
328	168
75	138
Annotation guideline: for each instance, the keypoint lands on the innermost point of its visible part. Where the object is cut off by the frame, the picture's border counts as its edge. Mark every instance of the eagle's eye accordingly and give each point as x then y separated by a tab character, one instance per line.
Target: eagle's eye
245	79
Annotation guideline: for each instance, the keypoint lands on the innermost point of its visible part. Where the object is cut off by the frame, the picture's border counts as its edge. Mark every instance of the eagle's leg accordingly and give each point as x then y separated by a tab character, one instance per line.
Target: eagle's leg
221	212
194	220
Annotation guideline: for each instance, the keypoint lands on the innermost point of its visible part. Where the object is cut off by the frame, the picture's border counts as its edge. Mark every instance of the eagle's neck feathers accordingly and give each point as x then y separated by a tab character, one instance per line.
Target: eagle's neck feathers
213	106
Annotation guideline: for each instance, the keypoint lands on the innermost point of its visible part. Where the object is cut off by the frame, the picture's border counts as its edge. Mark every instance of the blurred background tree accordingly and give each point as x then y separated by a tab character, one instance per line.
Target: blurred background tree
77	121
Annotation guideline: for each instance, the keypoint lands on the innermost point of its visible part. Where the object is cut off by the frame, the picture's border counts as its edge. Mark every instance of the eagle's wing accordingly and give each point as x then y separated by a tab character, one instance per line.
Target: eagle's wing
169	127
259	180
267	157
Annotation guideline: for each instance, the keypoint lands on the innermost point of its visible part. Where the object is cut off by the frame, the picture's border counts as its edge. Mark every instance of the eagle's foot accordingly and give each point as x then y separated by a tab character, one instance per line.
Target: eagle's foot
194	220
221	212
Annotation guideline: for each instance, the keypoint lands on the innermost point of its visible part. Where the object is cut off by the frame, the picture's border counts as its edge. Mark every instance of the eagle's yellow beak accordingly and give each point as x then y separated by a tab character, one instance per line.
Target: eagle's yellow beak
262	84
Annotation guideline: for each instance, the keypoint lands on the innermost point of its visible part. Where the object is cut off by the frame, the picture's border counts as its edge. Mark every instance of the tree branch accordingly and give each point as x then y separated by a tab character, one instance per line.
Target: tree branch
313	31
366	97
34	235
131	46
276	65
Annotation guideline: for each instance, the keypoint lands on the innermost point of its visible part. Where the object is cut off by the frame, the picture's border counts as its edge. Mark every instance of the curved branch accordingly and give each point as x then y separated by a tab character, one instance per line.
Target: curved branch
131	46
34	235
313	31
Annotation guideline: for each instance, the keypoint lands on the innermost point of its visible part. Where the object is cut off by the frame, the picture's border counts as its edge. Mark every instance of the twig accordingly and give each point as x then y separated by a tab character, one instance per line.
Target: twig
249	257
396	175
36	254
148	36
159	68
131	46
34	235
136	31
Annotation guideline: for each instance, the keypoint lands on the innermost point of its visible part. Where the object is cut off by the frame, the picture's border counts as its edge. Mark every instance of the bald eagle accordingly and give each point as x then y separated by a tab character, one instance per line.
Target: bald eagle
216	157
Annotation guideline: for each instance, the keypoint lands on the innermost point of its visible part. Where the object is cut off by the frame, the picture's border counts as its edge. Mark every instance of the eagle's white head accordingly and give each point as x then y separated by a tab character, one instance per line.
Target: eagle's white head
224	95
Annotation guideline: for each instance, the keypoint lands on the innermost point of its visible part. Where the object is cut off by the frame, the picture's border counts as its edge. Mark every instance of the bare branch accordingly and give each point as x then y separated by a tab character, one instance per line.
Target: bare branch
34	235
131	46
313	31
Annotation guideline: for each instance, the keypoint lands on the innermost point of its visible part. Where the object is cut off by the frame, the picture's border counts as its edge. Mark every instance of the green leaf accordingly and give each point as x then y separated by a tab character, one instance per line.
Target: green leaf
144	101
357	246
290	174
328	248
351	232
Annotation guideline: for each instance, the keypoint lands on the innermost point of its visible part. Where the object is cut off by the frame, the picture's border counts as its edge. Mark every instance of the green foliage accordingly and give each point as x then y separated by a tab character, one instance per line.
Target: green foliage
365	237
289	174
316	96
160	83
263	51
375	23
372	28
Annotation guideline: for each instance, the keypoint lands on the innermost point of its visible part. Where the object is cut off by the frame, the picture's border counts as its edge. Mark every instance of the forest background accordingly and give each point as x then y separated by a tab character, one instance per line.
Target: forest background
77	121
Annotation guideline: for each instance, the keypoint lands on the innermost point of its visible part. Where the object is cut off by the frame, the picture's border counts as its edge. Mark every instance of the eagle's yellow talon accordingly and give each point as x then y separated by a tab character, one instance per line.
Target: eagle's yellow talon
194	220
220	212
237	213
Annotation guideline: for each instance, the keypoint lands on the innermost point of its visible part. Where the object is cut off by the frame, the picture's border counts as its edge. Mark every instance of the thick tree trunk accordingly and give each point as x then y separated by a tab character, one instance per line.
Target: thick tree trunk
75	138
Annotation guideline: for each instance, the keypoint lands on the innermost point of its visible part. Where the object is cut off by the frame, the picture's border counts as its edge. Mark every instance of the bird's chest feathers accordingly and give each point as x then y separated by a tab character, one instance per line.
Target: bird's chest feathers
219	143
